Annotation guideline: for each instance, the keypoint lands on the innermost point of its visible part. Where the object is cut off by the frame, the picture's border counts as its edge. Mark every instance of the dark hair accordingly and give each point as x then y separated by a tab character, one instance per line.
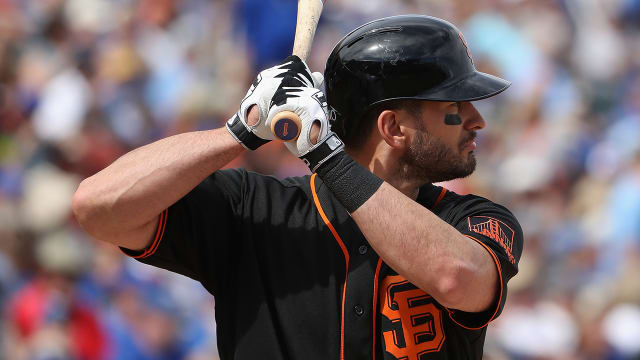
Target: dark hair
370	119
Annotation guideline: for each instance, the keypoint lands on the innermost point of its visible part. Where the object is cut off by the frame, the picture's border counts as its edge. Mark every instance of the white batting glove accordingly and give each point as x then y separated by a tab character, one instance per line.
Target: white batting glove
310	105
292	72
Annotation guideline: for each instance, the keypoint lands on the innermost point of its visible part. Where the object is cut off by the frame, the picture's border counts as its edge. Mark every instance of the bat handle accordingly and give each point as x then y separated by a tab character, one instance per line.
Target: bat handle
286	126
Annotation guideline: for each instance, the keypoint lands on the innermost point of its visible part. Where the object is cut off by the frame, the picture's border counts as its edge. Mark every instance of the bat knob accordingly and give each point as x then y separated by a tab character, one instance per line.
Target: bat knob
286	126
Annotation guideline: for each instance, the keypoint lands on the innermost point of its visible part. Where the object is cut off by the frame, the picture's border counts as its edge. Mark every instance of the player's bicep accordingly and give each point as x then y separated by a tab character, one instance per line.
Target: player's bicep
483	282
499	233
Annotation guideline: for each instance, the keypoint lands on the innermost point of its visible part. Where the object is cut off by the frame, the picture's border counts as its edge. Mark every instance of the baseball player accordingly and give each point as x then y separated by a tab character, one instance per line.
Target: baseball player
364	259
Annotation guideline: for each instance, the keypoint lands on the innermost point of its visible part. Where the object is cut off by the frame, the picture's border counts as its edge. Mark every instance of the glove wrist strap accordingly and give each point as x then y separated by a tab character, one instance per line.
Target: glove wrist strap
246	138
349	182
322	151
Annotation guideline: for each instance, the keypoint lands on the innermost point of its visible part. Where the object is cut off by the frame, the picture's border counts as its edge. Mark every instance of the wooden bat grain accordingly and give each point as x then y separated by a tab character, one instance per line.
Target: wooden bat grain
308	16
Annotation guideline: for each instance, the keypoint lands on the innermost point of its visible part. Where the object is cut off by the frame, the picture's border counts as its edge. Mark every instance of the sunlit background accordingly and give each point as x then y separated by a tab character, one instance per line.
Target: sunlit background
84	81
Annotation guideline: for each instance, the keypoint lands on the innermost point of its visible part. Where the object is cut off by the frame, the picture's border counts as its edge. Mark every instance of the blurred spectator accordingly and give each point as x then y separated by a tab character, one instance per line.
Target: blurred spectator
84	81
48	318
621	329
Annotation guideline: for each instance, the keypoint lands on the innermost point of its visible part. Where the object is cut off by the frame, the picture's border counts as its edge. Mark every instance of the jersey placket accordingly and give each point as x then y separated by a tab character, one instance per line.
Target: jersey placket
358	311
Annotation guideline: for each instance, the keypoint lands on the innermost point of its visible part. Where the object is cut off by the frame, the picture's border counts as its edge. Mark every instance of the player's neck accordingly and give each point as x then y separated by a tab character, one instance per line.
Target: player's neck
411	190
386	167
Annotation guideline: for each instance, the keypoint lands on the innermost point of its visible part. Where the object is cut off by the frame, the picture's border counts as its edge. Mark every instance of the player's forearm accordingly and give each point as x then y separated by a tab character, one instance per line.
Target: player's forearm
131	192
430	253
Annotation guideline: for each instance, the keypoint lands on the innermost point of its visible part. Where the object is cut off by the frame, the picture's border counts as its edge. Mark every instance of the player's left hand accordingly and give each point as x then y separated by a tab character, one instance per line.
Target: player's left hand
310	105
253	131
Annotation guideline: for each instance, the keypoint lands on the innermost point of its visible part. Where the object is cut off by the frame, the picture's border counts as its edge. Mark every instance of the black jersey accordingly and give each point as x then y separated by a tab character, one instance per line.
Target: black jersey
294	278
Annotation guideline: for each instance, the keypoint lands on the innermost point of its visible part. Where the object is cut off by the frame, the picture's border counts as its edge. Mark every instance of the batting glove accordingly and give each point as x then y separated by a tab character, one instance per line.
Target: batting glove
310	105
292	72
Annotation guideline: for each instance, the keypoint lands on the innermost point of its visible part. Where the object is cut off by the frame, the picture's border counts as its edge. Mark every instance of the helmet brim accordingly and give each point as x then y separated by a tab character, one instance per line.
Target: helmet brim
477	86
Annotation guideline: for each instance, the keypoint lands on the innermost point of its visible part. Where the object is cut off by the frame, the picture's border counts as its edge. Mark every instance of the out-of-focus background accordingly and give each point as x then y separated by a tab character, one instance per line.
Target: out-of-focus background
84	81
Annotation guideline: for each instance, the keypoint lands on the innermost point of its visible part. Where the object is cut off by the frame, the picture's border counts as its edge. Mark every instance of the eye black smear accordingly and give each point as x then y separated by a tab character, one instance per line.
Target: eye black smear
452	119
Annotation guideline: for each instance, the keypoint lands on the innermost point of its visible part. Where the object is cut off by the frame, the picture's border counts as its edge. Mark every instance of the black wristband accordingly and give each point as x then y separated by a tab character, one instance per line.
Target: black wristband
322	151
242	135
349	182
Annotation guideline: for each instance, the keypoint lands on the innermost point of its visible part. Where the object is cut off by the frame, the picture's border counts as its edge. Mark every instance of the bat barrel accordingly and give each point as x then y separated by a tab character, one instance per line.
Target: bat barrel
309	12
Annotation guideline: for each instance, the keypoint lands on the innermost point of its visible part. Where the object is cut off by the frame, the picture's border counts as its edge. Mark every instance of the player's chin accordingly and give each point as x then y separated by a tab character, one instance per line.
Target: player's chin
467	154
471	157
469	161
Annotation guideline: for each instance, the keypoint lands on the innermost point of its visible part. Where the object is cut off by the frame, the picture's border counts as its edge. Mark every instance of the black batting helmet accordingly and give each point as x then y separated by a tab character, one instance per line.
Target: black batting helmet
401	57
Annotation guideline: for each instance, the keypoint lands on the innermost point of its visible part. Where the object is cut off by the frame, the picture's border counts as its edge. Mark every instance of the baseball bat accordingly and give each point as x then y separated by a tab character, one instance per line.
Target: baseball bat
286	125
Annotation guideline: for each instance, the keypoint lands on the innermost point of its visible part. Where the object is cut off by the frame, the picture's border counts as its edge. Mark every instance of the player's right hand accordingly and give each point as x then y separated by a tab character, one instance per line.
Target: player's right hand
292	71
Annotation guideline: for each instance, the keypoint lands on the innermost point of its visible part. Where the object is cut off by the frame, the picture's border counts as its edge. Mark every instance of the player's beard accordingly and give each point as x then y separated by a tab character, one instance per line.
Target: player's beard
430	160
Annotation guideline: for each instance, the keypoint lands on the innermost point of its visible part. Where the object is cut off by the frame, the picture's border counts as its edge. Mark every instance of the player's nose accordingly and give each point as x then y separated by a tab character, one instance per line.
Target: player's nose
473	121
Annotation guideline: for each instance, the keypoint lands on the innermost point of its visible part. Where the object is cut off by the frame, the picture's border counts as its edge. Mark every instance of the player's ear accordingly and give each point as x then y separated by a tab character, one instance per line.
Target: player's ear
391	129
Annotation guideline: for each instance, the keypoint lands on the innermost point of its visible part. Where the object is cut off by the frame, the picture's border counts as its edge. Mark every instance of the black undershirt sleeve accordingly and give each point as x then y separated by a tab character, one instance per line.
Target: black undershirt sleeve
498	231
194	235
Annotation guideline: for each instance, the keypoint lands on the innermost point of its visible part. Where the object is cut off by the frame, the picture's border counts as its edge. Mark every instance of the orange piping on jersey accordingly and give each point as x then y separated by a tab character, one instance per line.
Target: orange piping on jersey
375	305
442	194
160	233
495	260
346	258
156	241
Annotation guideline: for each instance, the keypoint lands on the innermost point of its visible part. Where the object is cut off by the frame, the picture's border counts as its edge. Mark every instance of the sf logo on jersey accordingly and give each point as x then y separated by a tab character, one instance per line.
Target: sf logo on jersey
411	323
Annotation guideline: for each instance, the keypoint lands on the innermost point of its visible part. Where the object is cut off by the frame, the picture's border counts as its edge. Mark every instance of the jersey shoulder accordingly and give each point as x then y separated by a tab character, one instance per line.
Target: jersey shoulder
246	182
293	182
241	174
455	206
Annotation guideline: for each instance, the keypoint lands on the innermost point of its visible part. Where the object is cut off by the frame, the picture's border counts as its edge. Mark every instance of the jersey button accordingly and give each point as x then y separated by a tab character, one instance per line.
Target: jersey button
363	249
359	310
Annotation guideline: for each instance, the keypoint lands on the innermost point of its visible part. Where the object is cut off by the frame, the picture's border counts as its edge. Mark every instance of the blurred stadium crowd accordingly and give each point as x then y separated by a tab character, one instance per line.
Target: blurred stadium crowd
84	81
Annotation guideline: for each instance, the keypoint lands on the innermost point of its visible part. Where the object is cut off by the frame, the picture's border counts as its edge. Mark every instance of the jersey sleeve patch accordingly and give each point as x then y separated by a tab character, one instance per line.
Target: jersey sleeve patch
496	230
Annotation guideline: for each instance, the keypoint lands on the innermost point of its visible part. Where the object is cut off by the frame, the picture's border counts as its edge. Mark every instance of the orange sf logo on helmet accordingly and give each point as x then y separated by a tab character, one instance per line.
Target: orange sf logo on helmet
466	46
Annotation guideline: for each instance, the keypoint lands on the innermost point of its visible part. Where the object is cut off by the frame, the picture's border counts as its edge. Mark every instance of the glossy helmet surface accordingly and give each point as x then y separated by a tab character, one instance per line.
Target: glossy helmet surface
401	57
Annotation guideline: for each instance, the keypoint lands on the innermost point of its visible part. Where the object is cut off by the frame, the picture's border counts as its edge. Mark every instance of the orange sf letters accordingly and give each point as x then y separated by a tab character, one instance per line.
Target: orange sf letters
416	323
